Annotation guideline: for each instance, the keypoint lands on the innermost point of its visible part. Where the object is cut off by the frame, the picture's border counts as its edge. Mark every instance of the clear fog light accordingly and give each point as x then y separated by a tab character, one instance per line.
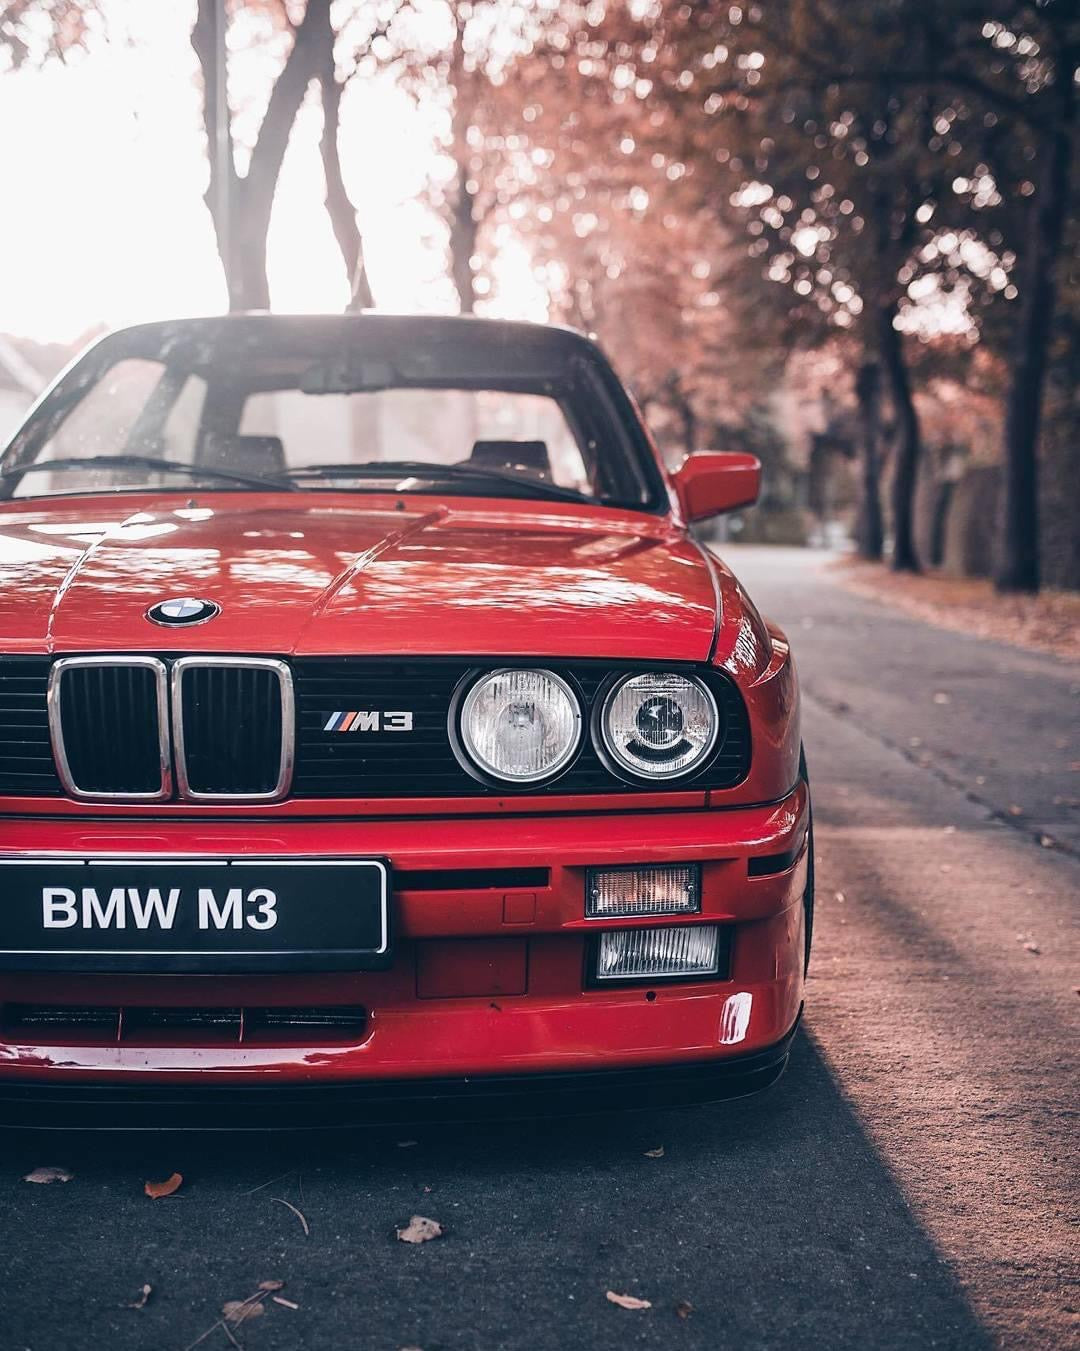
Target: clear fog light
665	889
645	954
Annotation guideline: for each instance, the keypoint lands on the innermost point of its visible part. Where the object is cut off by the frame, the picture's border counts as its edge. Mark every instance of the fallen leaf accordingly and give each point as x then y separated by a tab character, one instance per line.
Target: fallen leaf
1014	810
235	1311
420	1230
628	1301
657	1153
240	1310
289	1206
683	1309
1047	841
940	697
839	896
1032	947
140	1303
285	1303
156	1190
49	1175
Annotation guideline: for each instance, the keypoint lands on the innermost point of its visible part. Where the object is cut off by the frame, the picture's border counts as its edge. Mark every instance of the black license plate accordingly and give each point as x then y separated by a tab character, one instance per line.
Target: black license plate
194	915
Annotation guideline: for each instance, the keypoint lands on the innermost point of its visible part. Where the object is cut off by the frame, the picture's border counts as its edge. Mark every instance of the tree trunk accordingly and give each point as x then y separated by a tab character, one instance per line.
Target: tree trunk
869	530
908	441
463	236
462	219
1018	561
251	199
338	204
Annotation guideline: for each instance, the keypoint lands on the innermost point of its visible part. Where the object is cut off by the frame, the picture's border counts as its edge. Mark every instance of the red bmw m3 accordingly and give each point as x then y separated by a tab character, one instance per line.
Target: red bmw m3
376	739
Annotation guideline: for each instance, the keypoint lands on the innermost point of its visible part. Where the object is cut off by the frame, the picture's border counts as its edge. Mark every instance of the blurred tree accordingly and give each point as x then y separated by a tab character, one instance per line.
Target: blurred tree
590	179
930	150
1021	62
455	54
304	51
31	31
241	206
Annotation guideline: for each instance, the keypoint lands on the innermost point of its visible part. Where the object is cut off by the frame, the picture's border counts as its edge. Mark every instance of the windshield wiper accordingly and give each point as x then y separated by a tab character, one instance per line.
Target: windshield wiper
147	462
426	470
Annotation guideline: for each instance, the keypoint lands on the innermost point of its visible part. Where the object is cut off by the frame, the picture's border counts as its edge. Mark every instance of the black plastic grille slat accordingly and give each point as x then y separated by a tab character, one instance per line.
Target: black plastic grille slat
232	728
421	763
109	1023
110	719
26	762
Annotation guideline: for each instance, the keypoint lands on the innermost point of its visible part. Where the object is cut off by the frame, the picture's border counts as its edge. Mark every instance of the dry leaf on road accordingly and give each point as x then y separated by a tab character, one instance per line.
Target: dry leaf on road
49	1175
657	1153
420	1230
683	1309
628	1301
240	1310
155	1190
141	1302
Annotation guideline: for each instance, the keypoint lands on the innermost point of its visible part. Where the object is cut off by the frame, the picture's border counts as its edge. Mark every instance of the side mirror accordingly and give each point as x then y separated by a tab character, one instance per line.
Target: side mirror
710	482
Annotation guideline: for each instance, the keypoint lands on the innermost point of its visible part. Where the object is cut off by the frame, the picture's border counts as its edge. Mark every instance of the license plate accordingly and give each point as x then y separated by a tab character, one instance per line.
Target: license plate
194	915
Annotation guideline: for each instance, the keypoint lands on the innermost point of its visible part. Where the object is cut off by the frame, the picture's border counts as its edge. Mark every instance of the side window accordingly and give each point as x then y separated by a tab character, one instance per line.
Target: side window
103	419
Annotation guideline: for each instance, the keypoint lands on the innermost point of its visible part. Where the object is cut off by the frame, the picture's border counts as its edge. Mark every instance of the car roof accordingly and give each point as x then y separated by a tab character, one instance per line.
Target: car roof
372	324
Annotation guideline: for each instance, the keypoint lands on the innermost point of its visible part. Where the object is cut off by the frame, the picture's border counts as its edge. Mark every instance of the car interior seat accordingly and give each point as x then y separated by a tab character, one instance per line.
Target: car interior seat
522	457
261	456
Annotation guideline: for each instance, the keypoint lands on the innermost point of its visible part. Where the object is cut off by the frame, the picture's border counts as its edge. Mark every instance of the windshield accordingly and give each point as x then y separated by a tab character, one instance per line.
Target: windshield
366	405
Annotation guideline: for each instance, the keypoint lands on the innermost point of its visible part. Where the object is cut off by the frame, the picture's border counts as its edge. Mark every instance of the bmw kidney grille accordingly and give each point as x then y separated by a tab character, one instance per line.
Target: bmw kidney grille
199	728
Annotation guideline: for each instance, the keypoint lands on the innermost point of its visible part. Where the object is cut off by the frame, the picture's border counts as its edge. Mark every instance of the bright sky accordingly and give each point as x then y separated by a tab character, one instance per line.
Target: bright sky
102	174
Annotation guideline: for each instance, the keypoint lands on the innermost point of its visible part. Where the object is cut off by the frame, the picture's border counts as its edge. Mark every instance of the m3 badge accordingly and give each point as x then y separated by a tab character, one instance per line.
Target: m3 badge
369	721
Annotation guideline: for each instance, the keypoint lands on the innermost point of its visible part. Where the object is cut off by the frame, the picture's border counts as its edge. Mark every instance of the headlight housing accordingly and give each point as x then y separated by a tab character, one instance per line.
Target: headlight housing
659	725
519	726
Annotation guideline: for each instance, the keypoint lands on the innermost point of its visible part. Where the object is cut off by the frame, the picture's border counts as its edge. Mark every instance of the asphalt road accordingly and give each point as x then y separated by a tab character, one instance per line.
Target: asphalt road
909	1183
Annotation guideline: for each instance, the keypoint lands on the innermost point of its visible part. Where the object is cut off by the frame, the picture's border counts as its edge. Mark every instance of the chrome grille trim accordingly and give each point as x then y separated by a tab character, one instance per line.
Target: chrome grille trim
287	757
56	727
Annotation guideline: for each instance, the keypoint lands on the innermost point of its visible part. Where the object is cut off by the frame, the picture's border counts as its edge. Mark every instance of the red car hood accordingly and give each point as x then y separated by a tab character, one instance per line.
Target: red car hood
327	574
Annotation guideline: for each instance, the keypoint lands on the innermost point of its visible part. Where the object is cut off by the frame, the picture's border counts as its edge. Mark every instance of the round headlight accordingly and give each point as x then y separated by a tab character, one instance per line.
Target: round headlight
659	725
520	726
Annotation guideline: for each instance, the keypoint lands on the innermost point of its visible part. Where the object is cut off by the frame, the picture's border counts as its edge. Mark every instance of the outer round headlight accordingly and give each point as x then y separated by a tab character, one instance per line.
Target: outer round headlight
520	726
659	725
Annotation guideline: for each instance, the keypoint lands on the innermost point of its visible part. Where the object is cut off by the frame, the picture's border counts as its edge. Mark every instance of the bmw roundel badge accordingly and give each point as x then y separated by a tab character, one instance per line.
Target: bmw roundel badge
183	610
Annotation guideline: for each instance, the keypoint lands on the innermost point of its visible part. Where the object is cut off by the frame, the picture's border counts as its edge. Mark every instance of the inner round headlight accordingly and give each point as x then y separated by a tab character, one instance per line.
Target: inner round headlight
520	726
659	725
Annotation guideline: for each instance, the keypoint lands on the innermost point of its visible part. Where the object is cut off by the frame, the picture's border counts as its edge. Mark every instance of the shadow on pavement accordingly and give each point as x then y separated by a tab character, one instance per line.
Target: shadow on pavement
773	1217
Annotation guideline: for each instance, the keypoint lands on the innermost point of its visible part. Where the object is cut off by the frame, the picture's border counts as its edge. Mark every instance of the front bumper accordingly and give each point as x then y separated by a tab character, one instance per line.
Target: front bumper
488	979
127	1107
